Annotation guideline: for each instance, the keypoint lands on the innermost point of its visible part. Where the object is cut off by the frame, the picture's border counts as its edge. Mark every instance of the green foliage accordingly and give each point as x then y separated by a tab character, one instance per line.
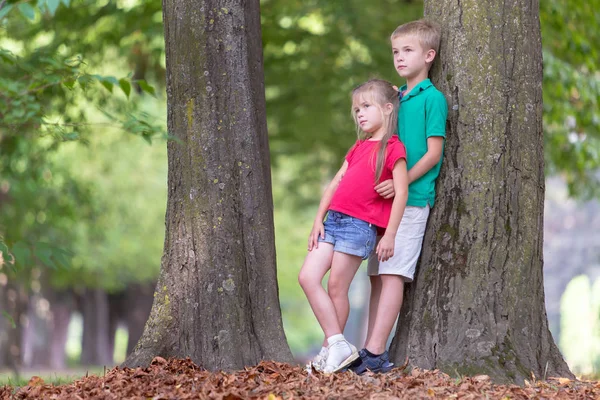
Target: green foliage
315	53
572	92
580	326
56	87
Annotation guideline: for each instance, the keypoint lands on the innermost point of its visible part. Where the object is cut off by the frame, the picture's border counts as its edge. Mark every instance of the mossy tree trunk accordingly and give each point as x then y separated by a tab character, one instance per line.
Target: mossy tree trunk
477	305
216	300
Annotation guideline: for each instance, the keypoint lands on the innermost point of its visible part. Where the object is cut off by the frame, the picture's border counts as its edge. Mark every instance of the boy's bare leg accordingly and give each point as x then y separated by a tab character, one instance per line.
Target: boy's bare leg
373	304
343	269
317	263
387	310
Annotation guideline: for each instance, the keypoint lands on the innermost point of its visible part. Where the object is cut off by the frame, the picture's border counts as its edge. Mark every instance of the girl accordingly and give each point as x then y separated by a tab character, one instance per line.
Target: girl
354	214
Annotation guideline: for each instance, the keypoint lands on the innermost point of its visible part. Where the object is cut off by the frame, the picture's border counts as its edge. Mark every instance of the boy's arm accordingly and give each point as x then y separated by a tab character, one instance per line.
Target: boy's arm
435	146
385	248
436	112
317	229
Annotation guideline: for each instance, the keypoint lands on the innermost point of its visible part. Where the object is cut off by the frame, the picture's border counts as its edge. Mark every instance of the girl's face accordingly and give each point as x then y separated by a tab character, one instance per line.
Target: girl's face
369	116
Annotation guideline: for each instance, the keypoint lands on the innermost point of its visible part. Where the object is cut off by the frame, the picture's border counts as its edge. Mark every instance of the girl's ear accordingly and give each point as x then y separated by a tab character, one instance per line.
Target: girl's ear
388	108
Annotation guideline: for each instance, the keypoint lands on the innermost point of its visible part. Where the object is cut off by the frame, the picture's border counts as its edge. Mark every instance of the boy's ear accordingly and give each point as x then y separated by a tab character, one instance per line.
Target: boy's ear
430	56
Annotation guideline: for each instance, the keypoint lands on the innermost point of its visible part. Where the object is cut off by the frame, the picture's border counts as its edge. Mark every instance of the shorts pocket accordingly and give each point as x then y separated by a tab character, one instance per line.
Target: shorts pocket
363	226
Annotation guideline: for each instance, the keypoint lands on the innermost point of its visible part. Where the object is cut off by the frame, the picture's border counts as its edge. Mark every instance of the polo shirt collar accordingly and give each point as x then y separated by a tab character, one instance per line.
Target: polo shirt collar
424	84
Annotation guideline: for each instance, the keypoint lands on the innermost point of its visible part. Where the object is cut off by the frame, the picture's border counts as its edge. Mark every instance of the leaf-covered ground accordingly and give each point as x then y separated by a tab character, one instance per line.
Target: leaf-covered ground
182	379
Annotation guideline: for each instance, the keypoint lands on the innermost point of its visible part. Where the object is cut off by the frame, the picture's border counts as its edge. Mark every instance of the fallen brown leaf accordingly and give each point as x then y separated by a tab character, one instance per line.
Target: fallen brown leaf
182	379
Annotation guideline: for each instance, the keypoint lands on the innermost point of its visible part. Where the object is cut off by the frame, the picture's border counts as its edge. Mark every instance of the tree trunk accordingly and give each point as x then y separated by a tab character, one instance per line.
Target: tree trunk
139	303
14	301
95	342
61	317
477	305
216	300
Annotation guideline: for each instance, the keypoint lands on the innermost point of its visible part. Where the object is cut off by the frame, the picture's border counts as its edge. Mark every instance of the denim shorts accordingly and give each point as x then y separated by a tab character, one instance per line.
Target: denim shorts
349	235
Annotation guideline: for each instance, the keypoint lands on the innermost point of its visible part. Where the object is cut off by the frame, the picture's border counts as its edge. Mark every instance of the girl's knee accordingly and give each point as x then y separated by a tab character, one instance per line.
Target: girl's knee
336	289
307	280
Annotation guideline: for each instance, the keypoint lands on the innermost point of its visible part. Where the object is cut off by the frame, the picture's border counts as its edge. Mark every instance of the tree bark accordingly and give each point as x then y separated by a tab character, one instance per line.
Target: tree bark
216	300
139	300
61	317
477	305
14	301
95	342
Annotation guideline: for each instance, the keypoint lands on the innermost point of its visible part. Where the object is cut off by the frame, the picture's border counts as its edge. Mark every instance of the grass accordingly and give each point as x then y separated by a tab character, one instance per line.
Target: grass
62	377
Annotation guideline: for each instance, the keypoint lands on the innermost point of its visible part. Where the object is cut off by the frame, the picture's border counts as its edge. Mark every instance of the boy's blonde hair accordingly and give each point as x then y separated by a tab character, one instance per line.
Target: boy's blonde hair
379	93
428	33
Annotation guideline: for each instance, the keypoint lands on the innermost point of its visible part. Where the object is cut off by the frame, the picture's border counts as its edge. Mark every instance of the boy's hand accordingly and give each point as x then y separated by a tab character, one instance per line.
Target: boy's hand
313	239
386	189
385	248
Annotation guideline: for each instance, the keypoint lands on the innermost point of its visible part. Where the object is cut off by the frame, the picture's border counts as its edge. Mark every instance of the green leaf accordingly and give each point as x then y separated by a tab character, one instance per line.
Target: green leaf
107	81
110	79
84	80
22	254
43	252
125	86
27	11
63	257
9	319
107	85
69	84
146	87
52	6
5	10
71	136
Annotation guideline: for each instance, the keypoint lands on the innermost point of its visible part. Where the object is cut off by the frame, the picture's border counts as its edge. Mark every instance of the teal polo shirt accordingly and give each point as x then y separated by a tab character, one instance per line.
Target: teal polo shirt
422	114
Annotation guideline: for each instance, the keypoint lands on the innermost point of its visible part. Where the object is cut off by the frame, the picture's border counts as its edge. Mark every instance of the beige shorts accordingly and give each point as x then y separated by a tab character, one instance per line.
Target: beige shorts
407	248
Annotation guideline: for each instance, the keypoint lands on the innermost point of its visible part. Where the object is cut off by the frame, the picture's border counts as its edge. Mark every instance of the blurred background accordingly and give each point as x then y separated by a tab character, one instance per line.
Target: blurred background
83	166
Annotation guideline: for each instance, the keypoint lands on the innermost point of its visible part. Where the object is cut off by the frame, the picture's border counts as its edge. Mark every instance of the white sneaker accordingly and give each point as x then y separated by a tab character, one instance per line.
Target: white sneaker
340	355
318	362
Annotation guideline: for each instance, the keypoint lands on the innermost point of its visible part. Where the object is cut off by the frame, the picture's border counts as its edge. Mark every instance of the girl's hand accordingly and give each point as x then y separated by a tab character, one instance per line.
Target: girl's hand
313	239
386	189
385	248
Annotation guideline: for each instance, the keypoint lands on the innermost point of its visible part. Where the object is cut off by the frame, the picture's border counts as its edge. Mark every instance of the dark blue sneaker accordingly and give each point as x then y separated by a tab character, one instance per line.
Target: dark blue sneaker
376	364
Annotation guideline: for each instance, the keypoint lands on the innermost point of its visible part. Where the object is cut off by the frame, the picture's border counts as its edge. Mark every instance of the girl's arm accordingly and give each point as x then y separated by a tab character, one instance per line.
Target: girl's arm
435	146
318	229
385	248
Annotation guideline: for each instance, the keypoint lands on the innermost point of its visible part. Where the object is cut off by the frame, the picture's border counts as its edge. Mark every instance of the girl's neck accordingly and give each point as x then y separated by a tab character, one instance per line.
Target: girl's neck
378	135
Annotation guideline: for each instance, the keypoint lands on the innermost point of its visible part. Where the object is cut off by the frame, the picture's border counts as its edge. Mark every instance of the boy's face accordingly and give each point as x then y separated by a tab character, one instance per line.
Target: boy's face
410	59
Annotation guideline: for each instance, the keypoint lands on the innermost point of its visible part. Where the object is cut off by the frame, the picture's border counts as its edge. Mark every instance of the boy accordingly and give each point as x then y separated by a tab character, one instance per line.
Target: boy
422	129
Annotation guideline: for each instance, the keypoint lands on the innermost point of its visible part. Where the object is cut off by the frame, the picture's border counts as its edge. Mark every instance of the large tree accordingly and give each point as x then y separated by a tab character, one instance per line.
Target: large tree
217	297
477	304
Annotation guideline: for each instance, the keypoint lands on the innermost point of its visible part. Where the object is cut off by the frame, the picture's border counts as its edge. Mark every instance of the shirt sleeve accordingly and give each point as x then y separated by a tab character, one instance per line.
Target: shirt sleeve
436	112
350	153
396	151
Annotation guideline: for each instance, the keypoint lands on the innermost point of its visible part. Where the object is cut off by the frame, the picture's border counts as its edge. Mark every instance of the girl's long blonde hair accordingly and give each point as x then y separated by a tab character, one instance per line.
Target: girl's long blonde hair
379	92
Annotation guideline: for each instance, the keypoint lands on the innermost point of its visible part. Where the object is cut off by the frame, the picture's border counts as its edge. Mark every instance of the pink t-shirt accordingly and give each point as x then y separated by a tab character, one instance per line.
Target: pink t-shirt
356	195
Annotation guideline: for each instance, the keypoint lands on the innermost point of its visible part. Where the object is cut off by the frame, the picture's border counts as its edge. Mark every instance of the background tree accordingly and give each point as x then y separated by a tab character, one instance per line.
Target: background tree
477	305
217	297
